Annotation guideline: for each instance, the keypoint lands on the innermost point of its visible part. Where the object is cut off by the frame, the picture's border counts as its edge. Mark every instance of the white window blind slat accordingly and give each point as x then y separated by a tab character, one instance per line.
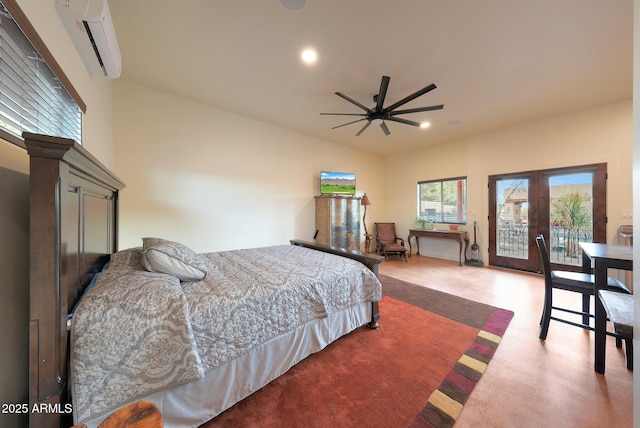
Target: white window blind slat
31	97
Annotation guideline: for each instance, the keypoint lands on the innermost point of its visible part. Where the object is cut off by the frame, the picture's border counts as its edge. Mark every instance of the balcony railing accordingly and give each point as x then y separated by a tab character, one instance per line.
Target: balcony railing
513	241
564	244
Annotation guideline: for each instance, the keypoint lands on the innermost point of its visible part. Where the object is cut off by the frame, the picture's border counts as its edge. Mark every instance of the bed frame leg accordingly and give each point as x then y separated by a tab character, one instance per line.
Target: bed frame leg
375	316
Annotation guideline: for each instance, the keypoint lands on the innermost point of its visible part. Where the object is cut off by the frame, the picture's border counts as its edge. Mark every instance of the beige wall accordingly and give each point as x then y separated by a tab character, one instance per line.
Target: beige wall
600	134
215	180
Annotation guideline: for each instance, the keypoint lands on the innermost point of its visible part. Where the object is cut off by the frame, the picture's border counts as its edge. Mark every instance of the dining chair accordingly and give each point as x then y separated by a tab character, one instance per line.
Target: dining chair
577	282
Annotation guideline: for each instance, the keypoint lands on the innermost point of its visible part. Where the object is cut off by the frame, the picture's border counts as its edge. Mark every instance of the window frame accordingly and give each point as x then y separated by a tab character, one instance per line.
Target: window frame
462	215
30	32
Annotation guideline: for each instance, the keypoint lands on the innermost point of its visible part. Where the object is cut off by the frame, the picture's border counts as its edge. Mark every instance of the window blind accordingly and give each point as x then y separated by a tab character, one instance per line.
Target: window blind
443	201
32	99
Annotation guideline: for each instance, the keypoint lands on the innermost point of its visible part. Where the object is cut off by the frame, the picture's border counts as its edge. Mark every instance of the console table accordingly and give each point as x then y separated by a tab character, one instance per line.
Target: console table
456	235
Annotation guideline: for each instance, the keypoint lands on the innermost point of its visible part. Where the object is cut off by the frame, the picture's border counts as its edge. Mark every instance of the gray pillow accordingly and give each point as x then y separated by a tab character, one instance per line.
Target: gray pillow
172	258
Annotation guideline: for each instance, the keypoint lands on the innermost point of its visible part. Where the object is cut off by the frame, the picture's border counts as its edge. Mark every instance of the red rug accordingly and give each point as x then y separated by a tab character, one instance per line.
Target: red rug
416	370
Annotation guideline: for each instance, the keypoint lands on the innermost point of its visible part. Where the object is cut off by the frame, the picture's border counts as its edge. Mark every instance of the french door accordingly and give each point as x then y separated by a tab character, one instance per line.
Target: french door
566	205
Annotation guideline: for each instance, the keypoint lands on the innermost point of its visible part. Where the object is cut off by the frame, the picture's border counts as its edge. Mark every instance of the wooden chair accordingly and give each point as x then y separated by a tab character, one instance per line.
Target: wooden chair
388	243
578	282
141	414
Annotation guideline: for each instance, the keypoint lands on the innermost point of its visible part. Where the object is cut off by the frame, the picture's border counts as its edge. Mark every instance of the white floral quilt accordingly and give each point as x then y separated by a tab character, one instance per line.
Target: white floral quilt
137	332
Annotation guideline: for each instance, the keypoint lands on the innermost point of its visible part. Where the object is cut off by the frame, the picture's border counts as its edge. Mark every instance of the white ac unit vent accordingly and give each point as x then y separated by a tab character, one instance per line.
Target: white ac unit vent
91	28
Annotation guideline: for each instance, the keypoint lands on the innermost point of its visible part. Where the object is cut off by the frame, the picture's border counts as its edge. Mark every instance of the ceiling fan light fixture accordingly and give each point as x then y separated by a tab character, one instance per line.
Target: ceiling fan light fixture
380	115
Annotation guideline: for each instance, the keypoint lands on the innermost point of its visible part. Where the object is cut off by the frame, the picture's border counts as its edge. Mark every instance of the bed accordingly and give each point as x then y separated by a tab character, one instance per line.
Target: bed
73	232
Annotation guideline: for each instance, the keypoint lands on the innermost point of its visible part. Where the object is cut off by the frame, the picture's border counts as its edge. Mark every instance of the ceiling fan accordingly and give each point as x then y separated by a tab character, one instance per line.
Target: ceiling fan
379	114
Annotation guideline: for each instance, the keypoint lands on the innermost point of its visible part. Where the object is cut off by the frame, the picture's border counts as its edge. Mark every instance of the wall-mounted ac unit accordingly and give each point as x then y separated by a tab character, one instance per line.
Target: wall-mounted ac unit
91	28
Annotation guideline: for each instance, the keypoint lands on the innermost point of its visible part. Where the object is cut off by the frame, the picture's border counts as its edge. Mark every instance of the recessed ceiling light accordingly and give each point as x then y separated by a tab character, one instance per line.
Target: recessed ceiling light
309	56
425	125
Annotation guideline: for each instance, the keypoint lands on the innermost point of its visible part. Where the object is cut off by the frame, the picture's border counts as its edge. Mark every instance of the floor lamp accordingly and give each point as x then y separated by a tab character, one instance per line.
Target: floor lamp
367	238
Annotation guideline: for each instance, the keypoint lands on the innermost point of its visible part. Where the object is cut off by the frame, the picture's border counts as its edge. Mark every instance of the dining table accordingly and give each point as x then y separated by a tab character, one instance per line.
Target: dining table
603	257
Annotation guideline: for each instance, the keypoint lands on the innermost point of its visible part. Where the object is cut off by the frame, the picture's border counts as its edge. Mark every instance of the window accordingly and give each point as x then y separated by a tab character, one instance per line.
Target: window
32	97
443	201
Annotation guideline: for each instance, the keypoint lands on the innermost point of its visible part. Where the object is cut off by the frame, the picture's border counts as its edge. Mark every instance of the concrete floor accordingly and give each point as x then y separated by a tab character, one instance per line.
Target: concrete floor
529	382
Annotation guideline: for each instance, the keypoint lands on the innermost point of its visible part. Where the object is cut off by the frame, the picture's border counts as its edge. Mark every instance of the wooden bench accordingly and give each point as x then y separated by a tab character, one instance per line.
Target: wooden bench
619	308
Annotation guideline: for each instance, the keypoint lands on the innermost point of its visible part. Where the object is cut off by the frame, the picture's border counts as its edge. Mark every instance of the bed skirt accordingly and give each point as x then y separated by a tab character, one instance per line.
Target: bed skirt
194	403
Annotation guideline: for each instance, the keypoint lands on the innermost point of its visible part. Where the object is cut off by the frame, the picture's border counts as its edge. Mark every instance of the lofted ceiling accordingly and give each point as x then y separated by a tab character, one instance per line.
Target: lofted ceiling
496	63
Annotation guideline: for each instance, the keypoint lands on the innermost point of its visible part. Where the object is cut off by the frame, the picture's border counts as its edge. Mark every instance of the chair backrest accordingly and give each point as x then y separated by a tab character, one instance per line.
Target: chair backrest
544	258
386	232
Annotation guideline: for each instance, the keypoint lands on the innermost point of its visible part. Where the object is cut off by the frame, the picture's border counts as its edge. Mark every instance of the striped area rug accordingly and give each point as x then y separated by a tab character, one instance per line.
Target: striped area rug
416	370
445	403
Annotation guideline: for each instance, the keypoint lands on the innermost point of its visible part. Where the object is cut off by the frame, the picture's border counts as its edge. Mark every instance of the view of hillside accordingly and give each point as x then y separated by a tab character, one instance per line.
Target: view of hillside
338	186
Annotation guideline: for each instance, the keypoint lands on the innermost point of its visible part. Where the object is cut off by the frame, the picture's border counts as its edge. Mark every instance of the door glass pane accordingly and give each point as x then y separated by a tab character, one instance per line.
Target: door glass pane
571	216
512	217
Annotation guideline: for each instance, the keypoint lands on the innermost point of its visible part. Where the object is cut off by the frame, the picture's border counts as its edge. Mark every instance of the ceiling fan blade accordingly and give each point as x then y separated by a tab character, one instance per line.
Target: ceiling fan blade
349	123
385	128
405	121
411	97
344	114
366	125
417	110
384	85
351	100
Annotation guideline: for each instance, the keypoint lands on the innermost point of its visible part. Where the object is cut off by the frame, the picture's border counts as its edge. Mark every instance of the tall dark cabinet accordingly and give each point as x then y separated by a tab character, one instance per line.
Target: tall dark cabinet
338	221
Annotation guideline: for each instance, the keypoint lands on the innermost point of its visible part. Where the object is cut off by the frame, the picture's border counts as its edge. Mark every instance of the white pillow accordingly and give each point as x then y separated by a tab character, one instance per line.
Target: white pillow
172	258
